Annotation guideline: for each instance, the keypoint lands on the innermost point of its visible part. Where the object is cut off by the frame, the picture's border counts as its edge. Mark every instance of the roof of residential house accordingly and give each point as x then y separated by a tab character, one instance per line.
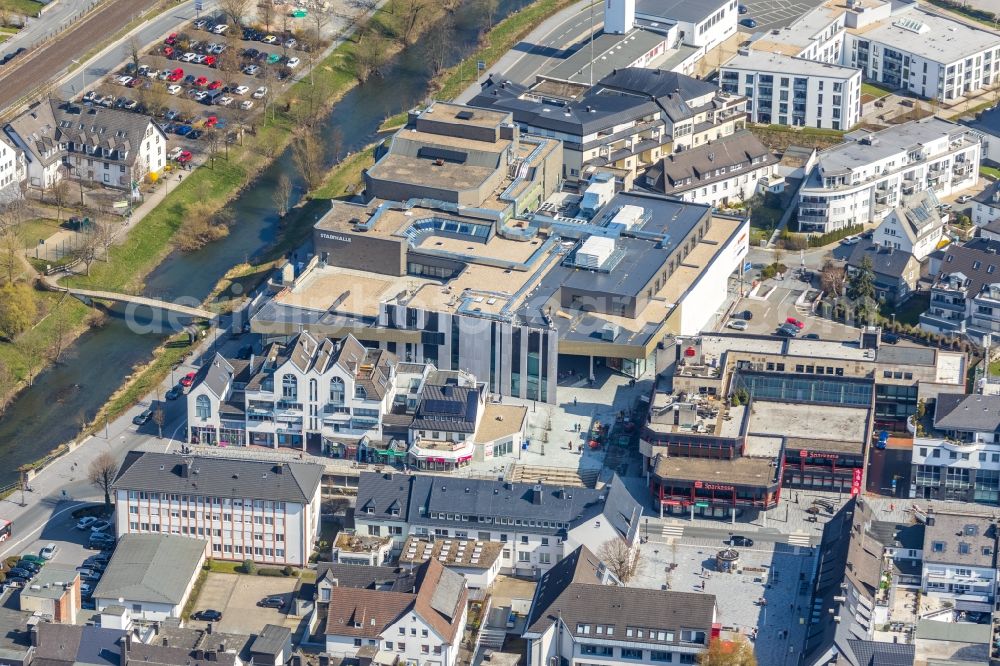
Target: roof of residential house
65	644
271	640
977	261
767	61
886	261
447	408
579	592
856	151
721	159
797	156
940	38
621	96
967	413
438	598
990	196
51	581
969	540
154	568
156	653
461	553
917	214
394	579
952	632
219	477
881	653
117	132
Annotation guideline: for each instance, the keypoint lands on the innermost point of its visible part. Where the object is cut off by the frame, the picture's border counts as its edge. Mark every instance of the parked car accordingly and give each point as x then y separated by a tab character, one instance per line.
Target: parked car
201	23
211	61
143	417
260	92
851	240
220	29
738	324
195	134
34	558
176	75
291	43
29	566
199	95
49	551
20	573
100	527
251	70
183	130
811	336
246	104
240	90
175	392
272	602
748	23
224	101
788	330
85	522
965	198
891	338
273	58
743	9
171	39
795	322
188	379
292	63
173	89
740	541
269	39
208	615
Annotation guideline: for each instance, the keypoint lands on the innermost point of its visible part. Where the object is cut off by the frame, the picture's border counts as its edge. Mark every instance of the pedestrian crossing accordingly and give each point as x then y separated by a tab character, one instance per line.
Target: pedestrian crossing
799	538
672	530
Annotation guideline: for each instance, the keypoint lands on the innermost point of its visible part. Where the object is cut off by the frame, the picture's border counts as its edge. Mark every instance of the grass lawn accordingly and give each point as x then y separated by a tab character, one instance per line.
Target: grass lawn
967	12
910	311
763	217
29	7
992	172
37	229
345	178
875	90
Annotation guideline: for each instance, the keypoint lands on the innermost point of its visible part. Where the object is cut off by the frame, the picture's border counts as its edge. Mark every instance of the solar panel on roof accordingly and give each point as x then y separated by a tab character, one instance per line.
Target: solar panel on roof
464	115
443	406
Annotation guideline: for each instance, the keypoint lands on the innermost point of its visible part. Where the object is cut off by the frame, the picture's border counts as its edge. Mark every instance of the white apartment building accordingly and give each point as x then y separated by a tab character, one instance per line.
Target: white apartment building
914	226
965	295
901	46
581	614
296	394
786	90
246	509
863	179
420	620
986	211
704	24
956	454
959	560
109	147
13	170
538	524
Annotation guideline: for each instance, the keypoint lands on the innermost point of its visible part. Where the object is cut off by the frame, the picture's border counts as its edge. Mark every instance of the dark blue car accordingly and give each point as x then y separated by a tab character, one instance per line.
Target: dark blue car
184	130
749	23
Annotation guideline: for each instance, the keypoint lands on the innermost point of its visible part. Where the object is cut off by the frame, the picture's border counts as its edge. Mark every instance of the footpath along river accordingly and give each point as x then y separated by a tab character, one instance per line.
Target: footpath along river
68	395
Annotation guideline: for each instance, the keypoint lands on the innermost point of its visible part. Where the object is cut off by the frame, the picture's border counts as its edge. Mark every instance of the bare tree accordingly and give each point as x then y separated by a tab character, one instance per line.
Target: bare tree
440	43
410	12
133	52
488	8
283	195
89	248
229	59
236	10
369	56
320	20
31	350
101	474
833	278
265	12
159	418
61	194
622	559
307	154
213	143
60	330
11	247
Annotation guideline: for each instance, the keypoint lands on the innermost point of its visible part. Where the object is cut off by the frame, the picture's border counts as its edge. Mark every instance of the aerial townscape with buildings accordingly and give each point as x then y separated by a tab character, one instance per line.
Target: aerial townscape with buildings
466	332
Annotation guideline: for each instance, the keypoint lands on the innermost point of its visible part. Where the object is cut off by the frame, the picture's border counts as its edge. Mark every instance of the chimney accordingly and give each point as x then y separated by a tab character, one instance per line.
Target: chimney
536	494
186	469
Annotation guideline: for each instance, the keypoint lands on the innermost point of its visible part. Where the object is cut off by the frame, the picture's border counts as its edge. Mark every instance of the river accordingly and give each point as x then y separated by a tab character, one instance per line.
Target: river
69	395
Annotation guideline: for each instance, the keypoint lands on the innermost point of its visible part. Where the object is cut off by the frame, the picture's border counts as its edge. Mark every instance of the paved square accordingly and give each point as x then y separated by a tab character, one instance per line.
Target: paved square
237	596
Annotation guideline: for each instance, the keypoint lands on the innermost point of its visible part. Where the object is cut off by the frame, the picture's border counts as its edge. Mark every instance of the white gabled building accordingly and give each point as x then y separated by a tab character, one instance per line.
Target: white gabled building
863	179
109	147
537	523
786	90
914	226
306	392
263	511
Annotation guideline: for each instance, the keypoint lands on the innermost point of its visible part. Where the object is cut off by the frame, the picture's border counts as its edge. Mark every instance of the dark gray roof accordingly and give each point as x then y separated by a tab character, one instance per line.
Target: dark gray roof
904	354
967	413
63	644
879	653
450	408
990	195
679	10
977	260
960	539
144	654
384	496
219	477
987	121
886	261
694	168
394	579
155	568
623	95
271	640
573	591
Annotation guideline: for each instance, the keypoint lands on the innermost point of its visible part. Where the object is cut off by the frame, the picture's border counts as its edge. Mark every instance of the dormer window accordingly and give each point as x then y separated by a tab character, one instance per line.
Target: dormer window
360	393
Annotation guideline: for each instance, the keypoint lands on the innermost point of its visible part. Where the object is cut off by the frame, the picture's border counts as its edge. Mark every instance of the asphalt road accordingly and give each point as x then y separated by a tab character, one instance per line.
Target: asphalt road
56	17
49	60
542	54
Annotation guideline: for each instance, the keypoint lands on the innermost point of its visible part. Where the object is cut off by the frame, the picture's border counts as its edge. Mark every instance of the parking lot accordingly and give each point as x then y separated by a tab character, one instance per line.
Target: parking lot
236	596
773	14
778	302
197	80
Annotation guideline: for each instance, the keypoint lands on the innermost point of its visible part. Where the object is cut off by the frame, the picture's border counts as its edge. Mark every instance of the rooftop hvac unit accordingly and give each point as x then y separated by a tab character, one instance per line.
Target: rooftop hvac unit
610	331
595	251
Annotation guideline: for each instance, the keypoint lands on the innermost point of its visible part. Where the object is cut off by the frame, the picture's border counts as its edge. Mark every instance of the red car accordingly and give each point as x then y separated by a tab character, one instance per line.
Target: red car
795	322
201	82
211	61
176	75
169	51
171	39
215	84
184	158
188	379
211	121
